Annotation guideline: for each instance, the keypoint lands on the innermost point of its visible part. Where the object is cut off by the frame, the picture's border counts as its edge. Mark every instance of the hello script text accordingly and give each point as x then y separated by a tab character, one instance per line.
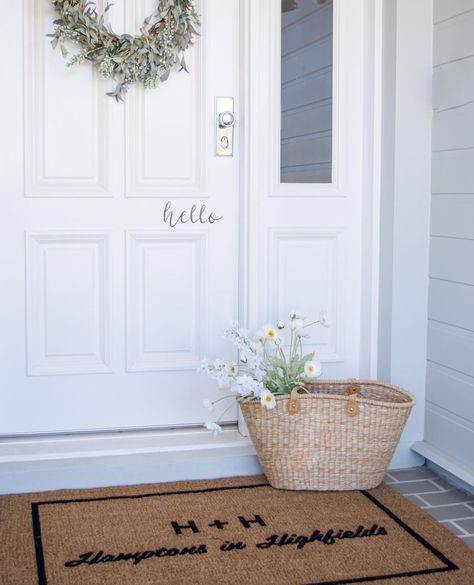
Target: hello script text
195	214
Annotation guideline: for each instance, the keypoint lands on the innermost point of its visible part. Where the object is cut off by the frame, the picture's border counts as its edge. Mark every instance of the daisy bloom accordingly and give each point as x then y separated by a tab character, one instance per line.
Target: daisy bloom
267	399
214	427
312	369
271	332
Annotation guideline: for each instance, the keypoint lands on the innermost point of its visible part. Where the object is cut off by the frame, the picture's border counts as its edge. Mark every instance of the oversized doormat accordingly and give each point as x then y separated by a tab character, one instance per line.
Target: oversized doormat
226	532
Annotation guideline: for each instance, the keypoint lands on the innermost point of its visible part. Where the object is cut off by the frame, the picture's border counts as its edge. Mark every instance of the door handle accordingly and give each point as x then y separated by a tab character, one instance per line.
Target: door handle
225	120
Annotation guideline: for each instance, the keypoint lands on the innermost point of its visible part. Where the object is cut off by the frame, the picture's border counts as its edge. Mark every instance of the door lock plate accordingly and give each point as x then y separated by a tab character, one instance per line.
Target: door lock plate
225	120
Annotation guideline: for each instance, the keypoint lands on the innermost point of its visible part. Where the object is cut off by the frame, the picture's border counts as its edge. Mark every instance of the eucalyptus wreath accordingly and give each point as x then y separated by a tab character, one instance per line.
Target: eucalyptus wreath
148	57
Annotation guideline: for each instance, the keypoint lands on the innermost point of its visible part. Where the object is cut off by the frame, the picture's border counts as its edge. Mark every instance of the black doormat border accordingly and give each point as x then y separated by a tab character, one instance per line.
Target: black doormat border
449	565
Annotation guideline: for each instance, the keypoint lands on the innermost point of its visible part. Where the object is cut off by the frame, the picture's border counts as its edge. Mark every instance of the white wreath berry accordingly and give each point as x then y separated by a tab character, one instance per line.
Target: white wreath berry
148	57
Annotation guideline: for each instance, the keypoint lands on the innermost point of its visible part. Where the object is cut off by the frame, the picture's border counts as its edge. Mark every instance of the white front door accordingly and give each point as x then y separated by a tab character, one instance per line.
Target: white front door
106	310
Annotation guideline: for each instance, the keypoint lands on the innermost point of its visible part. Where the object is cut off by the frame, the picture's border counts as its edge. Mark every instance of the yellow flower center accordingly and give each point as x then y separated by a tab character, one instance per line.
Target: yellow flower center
271	333
268	398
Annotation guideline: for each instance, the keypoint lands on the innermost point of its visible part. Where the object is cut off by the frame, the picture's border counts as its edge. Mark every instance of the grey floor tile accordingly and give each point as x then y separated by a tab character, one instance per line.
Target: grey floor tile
452	512
415	487
453	528
452	507
442	483
452	497
412	474
388	479
469	540
467	525
417	501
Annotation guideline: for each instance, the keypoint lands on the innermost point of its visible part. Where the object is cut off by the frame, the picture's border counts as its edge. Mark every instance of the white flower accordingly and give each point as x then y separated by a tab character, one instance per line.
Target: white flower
323	315
246	386
280	325
294	315
214	427
204	366
271	332
208	405
220	371
267	399
312	369
231	369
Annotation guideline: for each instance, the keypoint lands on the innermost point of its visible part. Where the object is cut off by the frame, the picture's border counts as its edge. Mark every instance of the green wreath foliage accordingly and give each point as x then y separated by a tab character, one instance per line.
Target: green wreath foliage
148	57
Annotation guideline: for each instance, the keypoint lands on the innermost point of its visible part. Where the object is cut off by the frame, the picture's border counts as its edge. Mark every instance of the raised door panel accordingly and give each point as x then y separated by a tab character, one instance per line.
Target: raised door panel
175	166
68	298
165	301
71	126
304	269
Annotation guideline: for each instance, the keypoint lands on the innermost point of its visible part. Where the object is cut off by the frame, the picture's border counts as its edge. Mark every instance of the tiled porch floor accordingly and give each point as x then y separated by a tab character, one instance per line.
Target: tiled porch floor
449	505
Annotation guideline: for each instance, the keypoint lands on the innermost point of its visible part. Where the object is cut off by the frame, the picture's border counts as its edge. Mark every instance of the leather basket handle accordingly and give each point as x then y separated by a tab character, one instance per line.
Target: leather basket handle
294	402
352	406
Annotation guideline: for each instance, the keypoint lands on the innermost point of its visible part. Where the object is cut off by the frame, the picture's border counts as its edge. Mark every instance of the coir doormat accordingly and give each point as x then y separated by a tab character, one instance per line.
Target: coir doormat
226	532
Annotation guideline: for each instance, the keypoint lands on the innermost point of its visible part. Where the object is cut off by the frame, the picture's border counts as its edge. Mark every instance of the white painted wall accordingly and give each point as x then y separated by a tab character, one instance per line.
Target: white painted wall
450	369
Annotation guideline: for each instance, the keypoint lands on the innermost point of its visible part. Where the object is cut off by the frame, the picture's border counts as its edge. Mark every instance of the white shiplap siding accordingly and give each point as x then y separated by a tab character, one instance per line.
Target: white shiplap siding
450	373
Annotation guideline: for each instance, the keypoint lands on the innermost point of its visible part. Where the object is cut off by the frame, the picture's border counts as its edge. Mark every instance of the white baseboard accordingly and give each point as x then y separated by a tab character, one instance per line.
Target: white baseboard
100	460
446	461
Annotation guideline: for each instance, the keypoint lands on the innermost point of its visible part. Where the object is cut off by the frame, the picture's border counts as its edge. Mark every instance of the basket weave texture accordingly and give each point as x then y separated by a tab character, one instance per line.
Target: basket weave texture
322	446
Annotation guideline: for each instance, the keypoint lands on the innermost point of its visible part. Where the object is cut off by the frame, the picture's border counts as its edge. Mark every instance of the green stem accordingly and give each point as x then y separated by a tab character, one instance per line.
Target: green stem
226	410
313	323
282	353
222	398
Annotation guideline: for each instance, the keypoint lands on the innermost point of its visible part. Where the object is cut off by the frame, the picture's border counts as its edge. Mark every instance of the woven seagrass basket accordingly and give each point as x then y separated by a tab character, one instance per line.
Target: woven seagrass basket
329	435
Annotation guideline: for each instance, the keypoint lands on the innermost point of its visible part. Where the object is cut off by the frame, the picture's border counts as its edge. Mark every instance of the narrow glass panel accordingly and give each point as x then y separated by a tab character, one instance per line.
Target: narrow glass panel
306	91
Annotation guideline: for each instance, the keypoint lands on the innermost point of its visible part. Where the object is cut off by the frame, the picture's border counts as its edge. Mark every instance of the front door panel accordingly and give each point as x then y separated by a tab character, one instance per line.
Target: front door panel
110	295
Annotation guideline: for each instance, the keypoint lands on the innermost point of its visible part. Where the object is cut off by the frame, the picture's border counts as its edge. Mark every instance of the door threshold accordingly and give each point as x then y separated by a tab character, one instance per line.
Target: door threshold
101	460
85	445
